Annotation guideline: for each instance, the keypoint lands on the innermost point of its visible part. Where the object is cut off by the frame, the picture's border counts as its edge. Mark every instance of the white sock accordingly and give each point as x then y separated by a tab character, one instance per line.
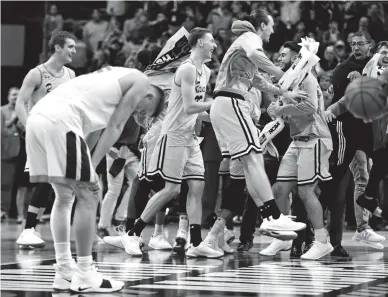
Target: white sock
218	227
320	235
84	263
63	253
158	229
183	222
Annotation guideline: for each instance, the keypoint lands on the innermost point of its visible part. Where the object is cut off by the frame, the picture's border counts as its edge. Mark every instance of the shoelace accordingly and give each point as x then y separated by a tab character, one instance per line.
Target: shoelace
36	233
365	234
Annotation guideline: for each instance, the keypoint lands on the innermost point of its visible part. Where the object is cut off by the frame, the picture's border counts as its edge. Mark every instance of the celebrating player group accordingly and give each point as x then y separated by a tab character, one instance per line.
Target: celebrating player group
72	123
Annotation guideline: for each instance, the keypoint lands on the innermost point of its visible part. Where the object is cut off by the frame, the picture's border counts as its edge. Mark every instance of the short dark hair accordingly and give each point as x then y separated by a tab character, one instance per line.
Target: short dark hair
293	46
59	38
144	57
381	44
256	18
364	34
196	34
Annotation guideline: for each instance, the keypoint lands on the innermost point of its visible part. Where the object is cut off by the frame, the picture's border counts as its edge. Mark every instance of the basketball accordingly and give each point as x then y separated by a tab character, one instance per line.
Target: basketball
368	98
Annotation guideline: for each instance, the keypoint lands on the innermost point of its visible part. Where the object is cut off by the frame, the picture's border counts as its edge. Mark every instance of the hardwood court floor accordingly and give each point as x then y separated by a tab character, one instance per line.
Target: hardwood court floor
29	273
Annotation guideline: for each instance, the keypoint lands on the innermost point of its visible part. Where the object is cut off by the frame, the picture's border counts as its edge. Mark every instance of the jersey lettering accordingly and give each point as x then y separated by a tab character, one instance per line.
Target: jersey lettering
198	98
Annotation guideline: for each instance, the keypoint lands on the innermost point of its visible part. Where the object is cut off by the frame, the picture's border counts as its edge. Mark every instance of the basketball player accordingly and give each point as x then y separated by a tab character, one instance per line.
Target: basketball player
145	183
121	160
56	131
233	124
349	135
177	154
311	145
39	82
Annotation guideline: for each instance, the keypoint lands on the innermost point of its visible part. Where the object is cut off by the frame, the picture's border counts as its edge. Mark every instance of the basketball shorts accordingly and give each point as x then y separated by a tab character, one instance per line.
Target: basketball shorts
175	163
150	140
305	163
231	167
233	126
55	153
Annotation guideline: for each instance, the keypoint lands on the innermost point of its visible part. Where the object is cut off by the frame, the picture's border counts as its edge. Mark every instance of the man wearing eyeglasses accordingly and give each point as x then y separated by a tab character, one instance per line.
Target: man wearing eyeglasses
349	136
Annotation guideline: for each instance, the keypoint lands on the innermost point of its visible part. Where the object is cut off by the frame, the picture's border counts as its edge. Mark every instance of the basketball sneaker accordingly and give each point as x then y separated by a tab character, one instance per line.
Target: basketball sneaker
318	250
159	242
223	245
30	238
282	228
369	238
132	244
276	246
229	236
181	240
207	248
93	281
63	276
114	241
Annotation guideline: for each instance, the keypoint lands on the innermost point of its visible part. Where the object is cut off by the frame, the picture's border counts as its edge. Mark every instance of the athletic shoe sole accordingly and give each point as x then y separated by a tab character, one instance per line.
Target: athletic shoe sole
290	235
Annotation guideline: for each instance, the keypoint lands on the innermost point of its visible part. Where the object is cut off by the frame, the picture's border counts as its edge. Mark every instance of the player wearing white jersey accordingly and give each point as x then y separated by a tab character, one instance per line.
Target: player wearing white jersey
232	122
38	82
177	154
306	160
57	128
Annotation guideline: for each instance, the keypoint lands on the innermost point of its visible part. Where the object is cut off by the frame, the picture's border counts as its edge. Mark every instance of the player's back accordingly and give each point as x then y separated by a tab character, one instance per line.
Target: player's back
91	99
48	83
177	124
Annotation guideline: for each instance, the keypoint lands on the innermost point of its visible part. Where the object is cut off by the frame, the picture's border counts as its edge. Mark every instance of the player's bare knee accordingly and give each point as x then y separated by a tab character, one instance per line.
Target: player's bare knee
196	186
172	190
63	195
85	194
306	192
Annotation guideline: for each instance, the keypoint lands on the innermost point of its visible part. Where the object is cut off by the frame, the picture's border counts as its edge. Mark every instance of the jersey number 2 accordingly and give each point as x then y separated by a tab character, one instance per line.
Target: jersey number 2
48	88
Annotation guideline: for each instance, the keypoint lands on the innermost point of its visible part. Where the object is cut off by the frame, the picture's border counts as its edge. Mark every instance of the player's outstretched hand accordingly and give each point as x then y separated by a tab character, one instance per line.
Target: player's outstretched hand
95	186
295	94
329	116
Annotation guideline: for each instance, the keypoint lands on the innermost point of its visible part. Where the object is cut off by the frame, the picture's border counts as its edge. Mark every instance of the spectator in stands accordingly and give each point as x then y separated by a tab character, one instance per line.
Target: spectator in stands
290	12
363	24
80	58
10	147
340	51
332	35
329	61
132	27
325	84
220	17
53	21
100	60
354	10
311	22
300	32
94	32
377	23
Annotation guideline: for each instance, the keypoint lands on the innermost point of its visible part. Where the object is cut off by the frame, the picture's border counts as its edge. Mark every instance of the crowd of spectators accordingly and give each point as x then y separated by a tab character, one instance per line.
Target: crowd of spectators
114	35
